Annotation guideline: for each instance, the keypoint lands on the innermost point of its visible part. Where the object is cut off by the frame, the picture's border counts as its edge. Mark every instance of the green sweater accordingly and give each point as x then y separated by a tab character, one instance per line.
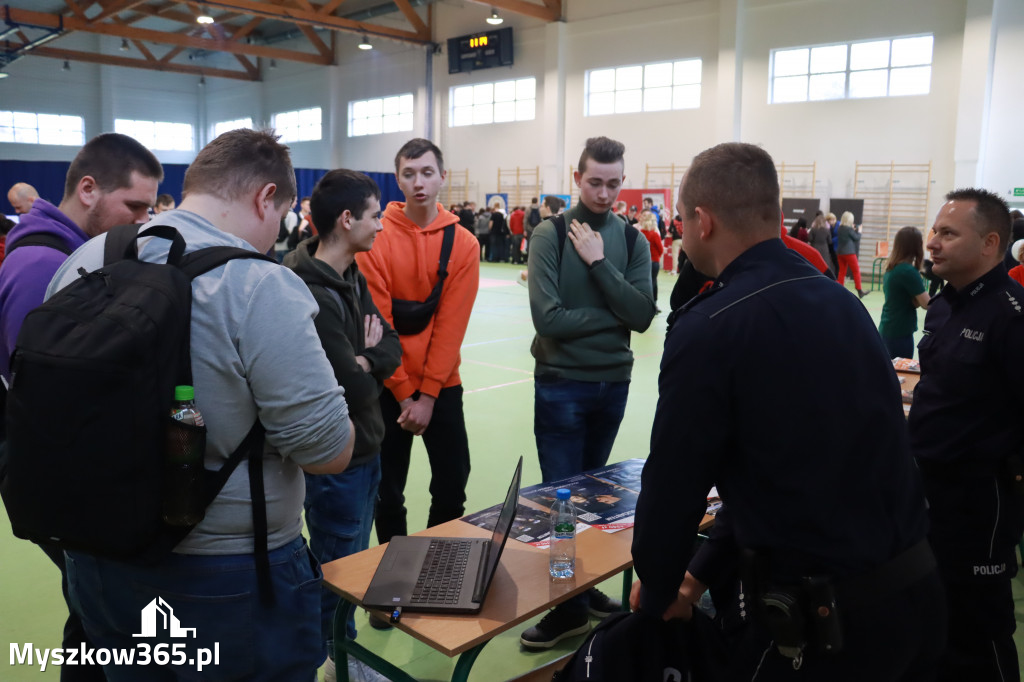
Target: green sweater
583	316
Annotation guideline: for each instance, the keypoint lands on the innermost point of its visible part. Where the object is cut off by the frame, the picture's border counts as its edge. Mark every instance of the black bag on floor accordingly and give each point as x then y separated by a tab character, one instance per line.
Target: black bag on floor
638	648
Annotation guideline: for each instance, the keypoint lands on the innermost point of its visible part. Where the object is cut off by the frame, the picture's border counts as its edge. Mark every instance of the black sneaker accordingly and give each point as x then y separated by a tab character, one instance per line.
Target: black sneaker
553	628
378	623
601	605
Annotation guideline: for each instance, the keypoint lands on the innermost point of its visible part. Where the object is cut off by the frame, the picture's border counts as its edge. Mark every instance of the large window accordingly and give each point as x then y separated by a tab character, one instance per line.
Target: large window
227	126
874	68
499	102
647	87
382	115
27	128
299	126
158	134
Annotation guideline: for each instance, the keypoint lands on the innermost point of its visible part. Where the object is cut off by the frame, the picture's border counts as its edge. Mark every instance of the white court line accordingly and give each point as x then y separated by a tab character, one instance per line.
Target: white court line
510	369
484	343
487	388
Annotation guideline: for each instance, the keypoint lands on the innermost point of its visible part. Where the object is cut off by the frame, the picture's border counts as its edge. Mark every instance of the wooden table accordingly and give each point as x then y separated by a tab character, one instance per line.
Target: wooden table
910	379
521	589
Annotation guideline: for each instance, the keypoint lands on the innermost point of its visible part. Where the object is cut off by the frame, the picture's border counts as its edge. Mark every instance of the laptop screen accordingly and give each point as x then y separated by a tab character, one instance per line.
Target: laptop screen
504	523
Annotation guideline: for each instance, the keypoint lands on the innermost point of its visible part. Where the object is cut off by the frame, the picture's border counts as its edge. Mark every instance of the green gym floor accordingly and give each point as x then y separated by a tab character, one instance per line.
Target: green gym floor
497	376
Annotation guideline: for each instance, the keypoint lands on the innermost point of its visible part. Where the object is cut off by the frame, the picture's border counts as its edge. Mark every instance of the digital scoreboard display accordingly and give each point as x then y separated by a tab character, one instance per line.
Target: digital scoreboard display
480	51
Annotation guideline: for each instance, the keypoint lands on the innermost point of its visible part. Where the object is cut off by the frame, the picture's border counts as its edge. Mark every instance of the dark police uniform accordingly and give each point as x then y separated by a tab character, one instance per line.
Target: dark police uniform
833	493
967	418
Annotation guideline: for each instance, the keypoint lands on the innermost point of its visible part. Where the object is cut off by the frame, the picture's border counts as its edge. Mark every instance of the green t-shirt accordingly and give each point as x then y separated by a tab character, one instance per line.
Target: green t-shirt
899	316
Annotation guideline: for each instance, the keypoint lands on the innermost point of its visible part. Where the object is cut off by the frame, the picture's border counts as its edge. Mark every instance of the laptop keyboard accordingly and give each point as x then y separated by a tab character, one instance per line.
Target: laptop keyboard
444	568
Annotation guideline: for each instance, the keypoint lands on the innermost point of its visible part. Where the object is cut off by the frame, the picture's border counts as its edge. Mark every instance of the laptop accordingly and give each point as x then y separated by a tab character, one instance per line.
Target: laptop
442	575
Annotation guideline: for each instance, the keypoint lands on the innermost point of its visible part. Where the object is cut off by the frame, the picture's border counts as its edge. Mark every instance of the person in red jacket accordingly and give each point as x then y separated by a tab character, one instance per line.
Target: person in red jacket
516	225
648	225
424	395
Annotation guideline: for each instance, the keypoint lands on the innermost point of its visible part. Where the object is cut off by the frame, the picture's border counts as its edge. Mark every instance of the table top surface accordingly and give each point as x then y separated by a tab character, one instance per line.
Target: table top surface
521	588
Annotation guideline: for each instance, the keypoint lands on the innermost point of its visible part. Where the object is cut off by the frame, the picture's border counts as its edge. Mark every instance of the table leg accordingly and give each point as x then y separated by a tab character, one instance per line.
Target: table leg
345	647
465	663
627	586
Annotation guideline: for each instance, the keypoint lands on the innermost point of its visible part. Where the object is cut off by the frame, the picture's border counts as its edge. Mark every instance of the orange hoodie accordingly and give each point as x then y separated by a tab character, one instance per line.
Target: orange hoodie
403	264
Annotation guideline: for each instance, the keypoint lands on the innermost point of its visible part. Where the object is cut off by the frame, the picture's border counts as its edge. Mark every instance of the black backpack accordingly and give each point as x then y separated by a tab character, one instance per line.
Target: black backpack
639	648
92	382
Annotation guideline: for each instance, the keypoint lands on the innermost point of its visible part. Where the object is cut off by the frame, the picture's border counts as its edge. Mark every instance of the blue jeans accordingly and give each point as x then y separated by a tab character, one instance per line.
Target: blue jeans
339	516
575	423
218	597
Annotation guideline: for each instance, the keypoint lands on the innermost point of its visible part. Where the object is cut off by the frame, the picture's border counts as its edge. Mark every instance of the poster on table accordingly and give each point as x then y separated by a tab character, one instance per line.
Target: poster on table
530	525
598	503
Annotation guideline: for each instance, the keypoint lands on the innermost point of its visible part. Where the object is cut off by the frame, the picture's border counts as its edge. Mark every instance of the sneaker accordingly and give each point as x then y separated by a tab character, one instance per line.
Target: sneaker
378	623
357	672
601	605
861	293
553	628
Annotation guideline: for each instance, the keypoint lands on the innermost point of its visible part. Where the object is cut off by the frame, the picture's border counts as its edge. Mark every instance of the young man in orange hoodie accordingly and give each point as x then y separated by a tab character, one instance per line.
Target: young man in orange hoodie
430	312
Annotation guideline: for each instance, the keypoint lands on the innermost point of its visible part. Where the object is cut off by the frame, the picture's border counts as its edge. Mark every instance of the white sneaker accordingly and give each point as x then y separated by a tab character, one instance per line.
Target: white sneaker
357	672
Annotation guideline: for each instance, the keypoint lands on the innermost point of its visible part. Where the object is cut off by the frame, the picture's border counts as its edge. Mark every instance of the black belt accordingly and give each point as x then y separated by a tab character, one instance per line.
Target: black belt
894	575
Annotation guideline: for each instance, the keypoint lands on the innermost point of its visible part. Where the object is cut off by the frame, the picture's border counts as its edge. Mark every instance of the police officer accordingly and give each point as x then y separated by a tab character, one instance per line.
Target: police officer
828	511
967	431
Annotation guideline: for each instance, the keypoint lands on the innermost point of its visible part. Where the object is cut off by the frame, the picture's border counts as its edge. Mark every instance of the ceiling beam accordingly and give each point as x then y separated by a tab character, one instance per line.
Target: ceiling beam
545	12
114	8
51	21
298	16
412	17
329	7
308	31
113	60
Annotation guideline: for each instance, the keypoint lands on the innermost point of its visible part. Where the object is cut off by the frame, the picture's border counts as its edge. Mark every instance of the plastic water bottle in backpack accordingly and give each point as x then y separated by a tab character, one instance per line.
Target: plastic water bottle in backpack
183	461
562	562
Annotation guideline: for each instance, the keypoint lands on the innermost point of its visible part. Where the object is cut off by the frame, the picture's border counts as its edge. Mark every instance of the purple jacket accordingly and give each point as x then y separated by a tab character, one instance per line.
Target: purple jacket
27	271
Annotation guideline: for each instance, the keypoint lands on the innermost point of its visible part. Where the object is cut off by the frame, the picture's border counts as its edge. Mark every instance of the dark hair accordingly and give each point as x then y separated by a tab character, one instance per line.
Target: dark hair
338	191
240	162
907	245
1017	230
6	224
553	203
110	159
164	199
602	150
991	214
303	199
417	147
738	182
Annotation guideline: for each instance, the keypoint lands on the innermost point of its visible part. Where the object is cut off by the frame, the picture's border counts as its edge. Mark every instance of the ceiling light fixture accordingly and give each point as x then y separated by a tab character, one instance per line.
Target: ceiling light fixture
273	63
364	44
124	45
494	19
204	15
3	75
67	66
202	81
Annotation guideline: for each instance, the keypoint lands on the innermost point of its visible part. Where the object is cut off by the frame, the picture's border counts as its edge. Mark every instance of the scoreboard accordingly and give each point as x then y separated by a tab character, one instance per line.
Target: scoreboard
480	51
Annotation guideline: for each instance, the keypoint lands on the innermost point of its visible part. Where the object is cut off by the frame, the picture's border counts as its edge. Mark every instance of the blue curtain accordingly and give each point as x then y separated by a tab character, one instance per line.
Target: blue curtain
48	179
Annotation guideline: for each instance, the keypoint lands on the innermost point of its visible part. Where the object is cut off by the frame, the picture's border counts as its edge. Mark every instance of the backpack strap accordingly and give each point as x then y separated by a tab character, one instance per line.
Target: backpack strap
202	261
121	242
48	240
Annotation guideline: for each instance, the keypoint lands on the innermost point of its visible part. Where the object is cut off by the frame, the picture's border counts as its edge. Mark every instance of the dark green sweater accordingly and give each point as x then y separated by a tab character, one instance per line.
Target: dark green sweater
342	335
583	316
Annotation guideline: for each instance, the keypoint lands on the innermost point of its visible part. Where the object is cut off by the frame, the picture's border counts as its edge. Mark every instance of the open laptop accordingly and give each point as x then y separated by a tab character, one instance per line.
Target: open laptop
446	575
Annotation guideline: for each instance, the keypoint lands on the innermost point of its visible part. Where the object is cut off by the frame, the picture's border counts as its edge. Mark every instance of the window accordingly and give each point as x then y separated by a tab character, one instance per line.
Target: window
227	126
158	134
874	68
299	126
20	126
650	87
376	116
499	102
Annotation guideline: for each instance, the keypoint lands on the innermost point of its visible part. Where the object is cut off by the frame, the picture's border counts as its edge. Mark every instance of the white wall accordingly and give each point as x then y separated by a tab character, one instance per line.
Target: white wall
953	127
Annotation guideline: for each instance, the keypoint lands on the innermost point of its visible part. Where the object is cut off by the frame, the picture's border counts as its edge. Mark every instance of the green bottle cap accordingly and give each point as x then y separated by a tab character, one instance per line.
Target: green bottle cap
184	393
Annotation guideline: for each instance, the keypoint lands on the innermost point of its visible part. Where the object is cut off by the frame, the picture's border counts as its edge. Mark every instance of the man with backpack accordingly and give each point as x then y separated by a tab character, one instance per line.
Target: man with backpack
112	180
252	595
590	286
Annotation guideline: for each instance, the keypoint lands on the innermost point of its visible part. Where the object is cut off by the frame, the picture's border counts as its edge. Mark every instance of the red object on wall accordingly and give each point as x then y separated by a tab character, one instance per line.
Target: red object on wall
666	259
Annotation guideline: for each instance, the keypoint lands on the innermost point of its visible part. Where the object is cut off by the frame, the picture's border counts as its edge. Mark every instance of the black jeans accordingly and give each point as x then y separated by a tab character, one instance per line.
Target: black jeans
448	451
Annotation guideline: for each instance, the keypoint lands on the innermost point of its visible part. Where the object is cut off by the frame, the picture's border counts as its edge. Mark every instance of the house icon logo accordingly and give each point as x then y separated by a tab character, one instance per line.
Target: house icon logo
158	616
